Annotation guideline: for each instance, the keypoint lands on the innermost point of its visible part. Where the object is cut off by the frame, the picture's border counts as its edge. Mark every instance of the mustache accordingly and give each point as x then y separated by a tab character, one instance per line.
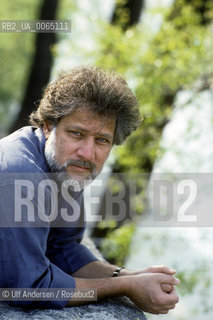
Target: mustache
84	164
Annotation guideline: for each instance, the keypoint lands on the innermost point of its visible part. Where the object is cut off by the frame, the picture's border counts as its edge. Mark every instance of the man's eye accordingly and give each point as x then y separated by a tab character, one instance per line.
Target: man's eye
75	133
103	141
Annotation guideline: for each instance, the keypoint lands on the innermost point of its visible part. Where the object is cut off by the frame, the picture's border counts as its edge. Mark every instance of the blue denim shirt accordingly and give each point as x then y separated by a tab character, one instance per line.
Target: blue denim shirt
34	257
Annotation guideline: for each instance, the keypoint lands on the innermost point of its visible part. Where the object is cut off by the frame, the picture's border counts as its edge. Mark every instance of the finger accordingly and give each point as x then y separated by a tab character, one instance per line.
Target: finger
161	269
173	291
159	310
166	287
169	279
163	311
166	310
167	299
170	306
171	298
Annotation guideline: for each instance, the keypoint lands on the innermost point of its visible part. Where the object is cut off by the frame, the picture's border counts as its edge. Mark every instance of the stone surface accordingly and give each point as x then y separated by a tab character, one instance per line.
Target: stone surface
108	309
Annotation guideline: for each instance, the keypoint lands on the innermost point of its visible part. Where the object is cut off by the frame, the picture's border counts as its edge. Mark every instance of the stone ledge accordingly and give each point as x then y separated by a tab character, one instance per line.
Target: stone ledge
107	309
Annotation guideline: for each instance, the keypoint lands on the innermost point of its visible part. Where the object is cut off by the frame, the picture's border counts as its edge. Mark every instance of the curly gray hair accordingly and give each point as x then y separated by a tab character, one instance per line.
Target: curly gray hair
102	92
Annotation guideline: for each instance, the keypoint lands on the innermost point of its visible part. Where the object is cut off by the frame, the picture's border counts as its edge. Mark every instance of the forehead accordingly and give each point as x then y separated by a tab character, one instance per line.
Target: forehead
92	122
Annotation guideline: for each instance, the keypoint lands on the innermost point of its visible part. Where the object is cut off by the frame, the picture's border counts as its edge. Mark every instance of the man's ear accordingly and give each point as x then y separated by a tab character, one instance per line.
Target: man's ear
47	127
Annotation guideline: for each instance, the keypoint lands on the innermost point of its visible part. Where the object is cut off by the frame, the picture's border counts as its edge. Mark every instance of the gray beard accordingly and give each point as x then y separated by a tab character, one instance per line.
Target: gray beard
60	170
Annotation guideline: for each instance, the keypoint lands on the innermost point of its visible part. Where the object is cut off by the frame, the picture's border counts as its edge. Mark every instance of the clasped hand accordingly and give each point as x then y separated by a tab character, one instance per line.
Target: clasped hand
153	289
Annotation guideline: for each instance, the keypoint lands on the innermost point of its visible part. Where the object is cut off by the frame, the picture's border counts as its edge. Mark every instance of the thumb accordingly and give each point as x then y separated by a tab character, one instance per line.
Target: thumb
166	287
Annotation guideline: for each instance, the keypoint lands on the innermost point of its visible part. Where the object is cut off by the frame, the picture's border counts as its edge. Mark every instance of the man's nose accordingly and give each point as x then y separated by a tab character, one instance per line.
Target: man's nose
86	150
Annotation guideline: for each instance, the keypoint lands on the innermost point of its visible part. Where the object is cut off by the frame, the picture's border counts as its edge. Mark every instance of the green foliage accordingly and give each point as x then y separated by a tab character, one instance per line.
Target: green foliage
115	247
156	66
190	280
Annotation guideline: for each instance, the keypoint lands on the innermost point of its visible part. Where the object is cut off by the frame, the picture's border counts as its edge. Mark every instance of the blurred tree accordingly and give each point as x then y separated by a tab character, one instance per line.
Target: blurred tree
16	52
127	13
201	7
41	66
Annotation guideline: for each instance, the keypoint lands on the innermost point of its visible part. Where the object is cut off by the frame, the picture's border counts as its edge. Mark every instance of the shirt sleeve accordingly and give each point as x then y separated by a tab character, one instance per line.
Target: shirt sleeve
23	259
66	251
23	264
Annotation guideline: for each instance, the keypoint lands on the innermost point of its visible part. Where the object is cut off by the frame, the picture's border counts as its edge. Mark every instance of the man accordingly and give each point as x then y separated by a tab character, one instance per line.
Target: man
80	117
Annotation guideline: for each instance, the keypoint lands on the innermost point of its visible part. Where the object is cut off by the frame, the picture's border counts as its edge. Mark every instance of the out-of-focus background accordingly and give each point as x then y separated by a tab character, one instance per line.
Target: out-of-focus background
165	51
